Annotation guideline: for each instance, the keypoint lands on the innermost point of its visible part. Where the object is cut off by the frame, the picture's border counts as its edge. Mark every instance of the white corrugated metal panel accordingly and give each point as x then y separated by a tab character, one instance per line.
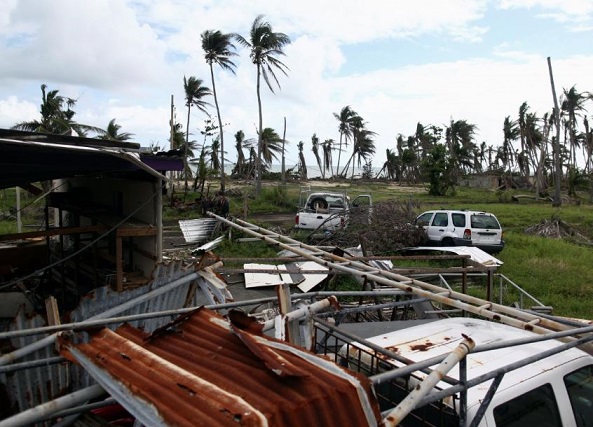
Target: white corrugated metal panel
197	230
476	254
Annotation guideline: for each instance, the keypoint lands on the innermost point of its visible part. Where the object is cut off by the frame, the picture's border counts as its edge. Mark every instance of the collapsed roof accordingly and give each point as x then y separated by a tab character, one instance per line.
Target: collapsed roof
27	157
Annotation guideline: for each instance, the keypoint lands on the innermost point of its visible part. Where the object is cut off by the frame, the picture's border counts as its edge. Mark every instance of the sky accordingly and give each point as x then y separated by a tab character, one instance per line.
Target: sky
396	63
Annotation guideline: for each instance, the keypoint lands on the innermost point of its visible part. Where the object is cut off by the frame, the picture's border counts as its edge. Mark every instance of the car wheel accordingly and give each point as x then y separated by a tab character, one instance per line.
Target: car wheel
447	241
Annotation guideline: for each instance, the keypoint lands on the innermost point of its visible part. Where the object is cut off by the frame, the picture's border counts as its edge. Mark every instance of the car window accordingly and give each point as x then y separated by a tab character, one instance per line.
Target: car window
458	219
484	221
537	407
579	385
424	219
440	219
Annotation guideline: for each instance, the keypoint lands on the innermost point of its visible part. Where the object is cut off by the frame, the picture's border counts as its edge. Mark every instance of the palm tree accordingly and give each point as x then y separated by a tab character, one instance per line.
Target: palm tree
217	48
302	165
459	138
265	46
327	155
56	116
510	131
344	118
240	165
315	149
573	106
112	132
195	92
271	145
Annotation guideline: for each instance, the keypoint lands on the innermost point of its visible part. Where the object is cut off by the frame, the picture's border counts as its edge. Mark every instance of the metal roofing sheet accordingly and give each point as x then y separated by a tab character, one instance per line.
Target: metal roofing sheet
203	370
476	254
197	230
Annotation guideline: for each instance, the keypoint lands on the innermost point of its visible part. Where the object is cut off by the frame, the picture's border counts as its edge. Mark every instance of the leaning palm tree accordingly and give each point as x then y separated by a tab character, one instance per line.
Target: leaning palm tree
195	92
219	49
265	46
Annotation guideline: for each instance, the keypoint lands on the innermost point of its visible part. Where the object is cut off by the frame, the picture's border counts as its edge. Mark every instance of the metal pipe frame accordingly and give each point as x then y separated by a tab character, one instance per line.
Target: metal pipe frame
478	306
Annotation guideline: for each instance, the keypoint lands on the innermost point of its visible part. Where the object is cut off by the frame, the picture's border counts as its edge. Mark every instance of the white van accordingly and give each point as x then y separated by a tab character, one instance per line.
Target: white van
463	228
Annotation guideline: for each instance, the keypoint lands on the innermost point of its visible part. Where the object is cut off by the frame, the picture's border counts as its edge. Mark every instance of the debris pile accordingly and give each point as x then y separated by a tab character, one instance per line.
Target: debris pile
556	229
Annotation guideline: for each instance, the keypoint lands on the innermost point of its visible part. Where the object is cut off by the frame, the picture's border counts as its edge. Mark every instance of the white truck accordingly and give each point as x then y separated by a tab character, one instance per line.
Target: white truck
327	211
534	389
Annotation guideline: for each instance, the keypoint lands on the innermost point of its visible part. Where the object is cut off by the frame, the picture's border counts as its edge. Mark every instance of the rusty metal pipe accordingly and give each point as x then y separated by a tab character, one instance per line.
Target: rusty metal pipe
415	397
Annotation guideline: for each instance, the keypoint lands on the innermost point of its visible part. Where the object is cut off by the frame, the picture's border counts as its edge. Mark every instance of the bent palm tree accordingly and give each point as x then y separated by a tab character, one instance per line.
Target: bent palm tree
265	46
217	48
195	91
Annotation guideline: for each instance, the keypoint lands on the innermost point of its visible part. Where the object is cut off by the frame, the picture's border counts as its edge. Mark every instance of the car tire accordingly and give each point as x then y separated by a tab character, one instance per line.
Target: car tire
447	241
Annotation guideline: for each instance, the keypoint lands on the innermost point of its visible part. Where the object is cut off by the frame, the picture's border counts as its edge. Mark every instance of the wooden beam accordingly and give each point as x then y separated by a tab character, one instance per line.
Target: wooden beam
136	231
52	232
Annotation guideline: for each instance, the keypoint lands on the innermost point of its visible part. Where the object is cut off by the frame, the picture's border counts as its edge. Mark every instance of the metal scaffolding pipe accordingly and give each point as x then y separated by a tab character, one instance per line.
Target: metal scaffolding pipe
438	395
45	410
414	397
405	370
303	312
133	317
458	300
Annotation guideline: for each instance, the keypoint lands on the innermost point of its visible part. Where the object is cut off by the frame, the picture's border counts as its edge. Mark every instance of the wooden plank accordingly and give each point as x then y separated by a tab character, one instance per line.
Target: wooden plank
119	265
136	231
52	232
53	314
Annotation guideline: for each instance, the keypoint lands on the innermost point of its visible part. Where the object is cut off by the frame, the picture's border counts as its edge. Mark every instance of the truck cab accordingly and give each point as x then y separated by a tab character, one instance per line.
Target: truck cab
328	211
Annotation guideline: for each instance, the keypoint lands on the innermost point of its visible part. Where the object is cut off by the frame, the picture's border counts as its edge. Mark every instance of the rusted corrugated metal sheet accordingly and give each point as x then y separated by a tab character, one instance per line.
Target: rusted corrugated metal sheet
33	386
203	370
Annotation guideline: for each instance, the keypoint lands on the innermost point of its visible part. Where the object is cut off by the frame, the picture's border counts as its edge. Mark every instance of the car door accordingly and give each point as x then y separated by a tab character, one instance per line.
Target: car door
438	226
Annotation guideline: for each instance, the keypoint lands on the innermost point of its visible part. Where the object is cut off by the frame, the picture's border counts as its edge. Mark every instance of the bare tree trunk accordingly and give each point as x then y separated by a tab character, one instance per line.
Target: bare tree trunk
259	139
220	130
284	153
557	172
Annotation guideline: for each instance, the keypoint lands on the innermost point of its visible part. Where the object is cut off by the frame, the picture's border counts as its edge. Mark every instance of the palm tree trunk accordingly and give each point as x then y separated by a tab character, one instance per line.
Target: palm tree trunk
284	153
186	144
259	138
339	154
557	173
220	130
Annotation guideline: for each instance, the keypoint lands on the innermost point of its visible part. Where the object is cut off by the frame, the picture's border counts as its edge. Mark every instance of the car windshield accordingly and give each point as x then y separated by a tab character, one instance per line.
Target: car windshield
484	221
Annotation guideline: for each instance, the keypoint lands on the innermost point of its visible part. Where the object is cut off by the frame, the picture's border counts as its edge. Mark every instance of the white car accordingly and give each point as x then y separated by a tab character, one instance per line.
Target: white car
463	228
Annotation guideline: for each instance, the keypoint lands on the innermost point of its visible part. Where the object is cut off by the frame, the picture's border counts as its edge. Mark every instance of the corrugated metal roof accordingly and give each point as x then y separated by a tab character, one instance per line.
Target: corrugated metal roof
34	386
203	370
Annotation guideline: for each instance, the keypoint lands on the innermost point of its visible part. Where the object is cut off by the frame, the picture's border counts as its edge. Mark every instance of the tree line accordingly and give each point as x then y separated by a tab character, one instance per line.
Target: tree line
437	154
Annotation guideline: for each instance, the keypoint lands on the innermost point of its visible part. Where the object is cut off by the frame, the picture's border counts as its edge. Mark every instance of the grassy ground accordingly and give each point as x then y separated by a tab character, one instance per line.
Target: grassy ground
557	272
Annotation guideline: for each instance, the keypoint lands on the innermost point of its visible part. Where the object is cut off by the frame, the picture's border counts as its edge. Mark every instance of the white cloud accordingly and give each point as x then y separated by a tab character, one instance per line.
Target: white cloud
124	60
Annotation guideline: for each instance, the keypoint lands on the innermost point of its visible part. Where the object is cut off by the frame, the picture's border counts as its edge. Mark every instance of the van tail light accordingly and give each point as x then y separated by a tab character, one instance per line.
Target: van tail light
296	220
467	234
